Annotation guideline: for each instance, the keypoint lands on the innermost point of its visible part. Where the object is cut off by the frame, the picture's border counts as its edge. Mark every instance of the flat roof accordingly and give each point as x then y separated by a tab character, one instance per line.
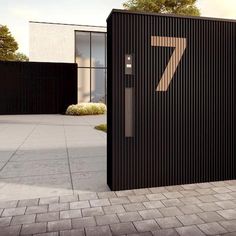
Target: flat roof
52	23
169	15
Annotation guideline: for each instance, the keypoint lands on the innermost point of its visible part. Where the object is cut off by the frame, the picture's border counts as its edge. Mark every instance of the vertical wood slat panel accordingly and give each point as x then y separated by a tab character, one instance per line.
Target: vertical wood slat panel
187	133
37	88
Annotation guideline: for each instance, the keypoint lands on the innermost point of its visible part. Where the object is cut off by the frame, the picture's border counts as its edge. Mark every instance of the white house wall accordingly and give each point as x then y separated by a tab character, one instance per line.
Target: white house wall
49	42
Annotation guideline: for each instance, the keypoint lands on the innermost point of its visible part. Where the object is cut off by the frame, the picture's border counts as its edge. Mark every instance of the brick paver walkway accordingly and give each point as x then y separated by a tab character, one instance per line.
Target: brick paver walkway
197	209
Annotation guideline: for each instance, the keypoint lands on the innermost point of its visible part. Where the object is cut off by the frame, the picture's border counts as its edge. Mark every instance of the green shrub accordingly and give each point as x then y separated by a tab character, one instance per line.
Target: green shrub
102	127
82	109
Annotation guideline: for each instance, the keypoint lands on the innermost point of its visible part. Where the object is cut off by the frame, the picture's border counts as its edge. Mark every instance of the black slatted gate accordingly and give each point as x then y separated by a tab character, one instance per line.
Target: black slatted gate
37	88
171	100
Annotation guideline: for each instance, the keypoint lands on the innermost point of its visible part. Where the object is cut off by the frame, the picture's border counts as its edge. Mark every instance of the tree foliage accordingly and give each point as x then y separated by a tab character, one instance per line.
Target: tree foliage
21	57
178	7
9	46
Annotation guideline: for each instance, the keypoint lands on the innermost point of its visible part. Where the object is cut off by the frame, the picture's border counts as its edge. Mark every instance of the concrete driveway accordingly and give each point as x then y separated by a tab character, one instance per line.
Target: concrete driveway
53	171
50	155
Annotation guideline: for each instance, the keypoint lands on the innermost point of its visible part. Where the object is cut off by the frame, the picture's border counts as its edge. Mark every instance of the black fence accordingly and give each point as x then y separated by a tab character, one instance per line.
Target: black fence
171	100
37	88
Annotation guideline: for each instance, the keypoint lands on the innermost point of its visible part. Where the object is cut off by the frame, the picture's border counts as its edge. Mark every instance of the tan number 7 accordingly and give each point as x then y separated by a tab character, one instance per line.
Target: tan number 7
180	45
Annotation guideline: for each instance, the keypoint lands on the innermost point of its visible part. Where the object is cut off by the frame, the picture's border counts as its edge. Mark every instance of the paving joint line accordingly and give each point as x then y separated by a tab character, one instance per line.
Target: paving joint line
68	157
56	159
32	130
64	173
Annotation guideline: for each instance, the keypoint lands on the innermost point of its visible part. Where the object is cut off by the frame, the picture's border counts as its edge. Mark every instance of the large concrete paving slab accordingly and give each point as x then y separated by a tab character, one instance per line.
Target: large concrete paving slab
48	155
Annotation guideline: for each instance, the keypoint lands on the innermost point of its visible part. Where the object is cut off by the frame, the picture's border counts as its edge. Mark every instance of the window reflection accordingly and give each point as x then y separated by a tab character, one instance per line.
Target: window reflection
98	50
98	85
82	49
83	84
90	55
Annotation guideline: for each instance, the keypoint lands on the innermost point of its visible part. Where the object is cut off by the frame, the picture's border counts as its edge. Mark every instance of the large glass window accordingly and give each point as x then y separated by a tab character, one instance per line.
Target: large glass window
84	85
83	49
90	55
97	50
98	84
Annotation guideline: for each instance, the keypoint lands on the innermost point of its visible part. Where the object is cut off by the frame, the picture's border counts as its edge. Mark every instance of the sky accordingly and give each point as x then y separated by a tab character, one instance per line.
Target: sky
17	13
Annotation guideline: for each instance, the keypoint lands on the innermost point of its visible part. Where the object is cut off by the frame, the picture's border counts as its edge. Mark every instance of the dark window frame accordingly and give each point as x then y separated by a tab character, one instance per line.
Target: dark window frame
92	67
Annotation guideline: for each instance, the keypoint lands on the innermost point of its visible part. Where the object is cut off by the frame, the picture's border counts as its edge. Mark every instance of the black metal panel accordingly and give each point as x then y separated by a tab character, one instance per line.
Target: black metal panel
37	88
185	134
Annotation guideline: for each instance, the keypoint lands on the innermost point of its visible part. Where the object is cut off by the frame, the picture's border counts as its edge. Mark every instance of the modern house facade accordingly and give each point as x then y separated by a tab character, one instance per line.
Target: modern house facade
68	43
